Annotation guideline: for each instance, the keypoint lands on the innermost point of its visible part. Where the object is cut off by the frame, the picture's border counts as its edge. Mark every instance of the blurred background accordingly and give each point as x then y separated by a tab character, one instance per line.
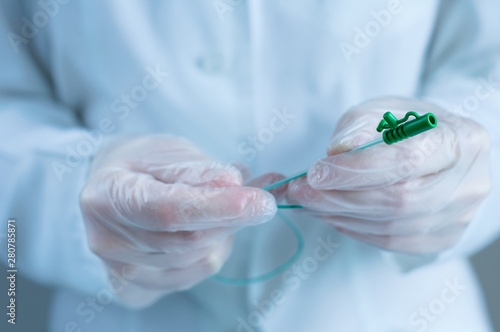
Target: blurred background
33	300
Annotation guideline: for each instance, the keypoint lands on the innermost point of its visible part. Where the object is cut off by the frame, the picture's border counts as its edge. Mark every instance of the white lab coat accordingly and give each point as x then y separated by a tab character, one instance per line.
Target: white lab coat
231	66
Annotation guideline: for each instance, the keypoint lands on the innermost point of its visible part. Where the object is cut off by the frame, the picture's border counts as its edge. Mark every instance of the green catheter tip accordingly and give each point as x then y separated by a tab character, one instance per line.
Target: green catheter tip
398	130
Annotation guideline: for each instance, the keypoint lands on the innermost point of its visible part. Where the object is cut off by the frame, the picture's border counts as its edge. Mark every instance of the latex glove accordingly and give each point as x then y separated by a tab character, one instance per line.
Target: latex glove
164	212
416	196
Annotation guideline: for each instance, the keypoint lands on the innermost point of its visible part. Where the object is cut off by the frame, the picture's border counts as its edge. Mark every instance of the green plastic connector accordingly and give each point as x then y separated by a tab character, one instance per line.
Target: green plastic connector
398	130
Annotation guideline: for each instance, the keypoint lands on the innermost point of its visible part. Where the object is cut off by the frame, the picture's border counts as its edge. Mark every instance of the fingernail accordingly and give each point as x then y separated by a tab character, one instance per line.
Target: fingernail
339	147
269	206
319	172
347	143
266	208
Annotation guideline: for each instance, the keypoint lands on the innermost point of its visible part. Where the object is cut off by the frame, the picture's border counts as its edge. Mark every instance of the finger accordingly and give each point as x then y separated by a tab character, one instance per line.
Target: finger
376	205
131	295
199	173
176	279
104	238
383	165
245	171
267	179
413	244
141	201
405	226
160	260
416	198
202	208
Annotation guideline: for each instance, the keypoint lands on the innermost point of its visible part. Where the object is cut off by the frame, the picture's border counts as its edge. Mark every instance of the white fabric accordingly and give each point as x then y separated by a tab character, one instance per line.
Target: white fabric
233	67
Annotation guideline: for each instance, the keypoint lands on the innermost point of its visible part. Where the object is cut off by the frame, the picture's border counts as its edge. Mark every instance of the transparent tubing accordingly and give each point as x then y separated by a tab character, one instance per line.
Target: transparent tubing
271	274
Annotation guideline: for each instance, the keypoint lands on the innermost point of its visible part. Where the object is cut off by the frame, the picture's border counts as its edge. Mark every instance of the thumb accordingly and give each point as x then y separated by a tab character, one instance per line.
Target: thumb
352	131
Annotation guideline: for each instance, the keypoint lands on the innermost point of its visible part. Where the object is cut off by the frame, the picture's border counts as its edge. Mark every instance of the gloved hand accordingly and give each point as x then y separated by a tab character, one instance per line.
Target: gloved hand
416	196
160	209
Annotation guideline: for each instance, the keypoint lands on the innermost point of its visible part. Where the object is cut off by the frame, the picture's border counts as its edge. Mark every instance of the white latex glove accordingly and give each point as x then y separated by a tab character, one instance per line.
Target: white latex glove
163	211
416	196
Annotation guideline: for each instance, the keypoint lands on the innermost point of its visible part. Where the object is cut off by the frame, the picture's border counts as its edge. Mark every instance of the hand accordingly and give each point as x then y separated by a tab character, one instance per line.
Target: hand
166	212
416	196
